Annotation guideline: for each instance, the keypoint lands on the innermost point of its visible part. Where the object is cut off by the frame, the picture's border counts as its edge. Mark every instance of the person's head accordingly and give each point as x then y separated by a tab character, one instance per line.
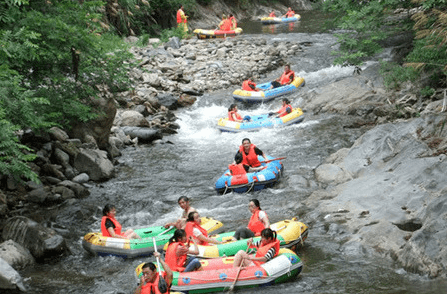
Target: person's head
268	236
179	236
109	210
183	201
233	107
149	272
231	15
285	101
254	205
224	16
238	158
193	217
287	67
246	143
289	9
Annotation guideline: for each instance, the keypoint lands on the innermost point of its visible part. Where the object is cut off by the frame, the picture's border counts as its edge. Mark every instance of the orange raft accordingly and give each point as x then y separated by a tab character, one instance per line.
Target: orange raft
218	274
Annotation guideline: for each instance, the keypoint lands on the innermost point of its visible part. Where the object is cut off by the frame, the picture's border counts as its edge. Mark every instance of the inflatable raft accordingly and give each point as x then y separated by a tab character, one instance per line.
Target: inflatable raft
248	182
219	274
291	234
267	94
275	20
97	244
258	122
209	34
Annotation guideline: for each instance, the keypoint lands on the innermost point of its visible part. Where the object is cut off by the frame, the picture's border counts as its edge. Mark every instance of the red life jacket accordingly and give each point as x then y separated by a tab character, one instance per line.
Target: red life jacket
283	110
255	225
152	288
237	169
226	26
251	158
189	229
262	251
230	115
285	77
272	14
290	13
104	230
176	263
246	85
179	16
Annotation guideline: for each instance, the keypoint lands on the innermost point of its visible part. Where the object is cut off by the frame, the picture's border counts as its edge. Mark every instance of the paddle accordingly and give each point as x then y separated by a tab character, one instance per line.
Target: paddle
238	272
165	231
274	159
162	286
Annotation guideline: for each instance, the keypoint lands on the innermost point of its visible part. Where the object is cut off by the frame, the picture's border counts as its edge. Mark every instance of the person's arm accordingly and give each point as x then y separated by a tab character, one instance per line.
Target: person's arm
234	118
196	248
201	237
166	267
265	220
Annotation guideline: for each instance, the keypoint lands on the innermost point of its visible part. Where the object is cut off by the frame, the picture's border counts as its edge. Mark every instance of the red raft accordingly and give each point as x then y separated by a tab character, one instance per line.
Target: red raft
218	274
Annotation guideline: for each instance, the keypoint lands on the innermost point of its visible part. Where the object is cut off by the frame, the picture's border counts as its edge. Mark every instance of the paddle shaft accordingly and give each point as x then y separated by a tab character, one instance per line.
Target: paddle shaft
162	286
239	271
274	159
165	231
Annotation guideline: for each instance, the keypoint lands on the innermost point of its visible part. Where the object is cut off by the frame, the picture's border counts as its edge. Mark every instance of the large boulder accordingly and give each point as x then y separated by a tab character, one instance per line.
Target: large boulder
144	135
98	128
95	163
9	278
133	118
16	255
42	242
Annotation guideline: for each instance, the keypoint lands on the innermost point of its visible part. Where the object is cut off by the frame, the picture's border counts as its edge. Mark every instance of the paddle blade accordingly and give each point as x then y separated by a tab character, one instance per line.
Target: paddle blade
162	286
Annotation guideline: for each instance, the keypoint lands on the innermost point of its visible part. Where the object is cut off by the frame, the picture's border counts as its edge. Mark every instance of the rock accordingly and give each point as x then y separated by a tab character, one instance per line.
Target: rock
15	255
133	118
173	42
95	163
58	134
81	178
9	278
186	100
39	196
144	135
42	242
79	190
168	100
62	157
65	193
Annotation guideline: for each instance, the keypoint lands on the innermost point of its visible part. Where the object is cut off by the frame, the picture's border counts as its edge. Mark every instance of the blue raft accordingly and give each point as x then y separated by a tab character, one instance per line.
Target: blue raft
267	94
274	20
258	122
248	182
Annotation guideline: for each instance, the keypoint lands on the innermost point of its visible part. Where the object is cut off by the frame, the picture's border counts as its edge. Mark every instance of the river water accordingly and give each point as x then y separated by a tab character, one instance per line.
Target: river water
150	178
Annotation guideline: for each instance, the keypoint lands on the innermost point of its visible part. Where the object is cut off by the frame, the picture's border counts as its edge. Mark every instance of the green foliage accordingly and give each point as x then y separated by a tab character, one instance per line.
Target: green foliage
427	91
394	75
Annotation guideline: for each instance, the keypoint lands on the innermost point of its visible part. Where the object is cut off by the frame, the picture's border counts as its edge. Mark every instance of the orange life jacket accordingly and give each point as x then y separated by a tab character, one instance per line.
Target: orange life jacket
246	85
290	13
180	13
189	232
233	22
230	115
272	14
251	158
104	230
152	288
255	225
283	110
262	251
237	169
176	263
226	26
285	77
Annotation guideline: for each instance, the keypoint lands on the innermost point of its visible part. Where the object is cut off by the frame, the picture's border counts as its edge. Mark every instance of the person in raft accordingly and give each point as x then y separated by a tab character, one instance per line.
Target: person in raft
194	230
233	22
110	227
272	14
177	253
284	110
238	168
151	278
250	153
183	202
289	13
267	248
258	222
182	19
233	115
249	85
286	78
225	24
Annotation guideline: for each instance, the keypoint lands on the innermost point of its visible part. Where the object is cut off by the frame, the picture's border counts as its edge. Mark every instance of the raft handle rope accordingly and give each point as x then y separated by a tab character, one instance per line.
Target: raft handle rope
252	185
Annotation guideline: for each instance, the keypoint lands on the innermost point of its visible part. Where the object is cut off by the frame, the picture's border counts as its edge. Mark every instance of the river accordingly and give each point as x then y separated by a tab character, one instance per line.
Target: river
150	178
